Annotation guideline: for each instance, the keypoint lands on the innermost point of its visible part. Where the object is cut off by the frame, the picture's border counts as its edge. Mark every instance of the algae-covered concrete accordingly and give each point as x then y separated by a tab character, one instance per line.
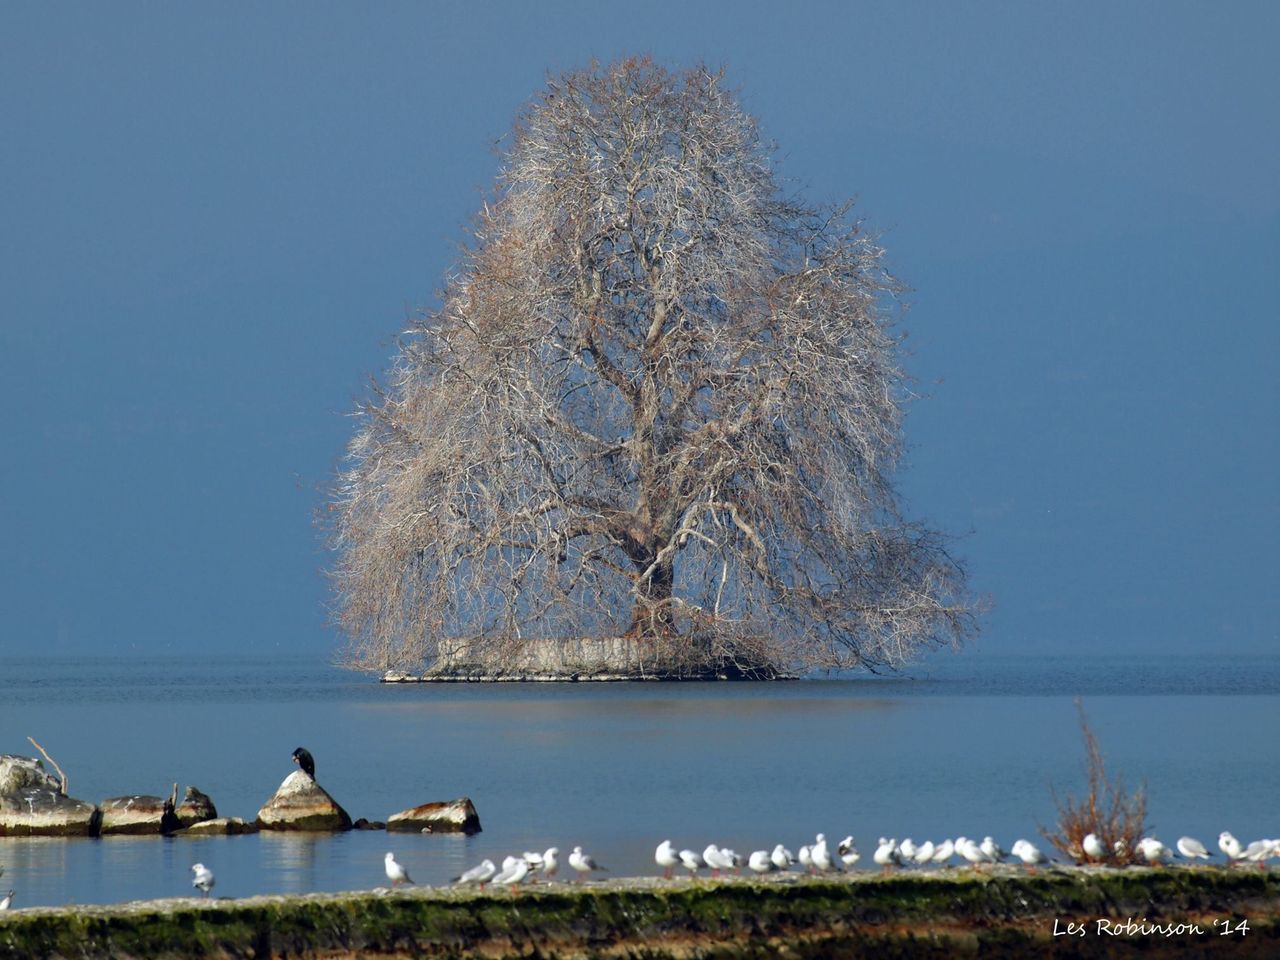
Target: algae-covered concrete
1158	912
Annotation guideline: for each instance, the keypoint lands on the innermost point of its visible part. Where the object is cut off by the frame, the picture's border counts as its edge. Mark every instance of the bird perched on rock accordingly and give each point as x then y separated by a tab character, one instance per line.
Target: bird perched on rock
202	879
6	901
302	757
582	863
761	862
396	873
849	854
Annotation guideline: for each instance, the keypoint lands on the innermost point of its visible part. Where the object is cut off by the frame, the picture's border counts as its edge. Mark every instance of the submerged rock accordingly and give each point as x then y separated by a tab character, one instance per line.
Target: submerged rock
42	812
302	804
220	826
456	816
195	807
140	813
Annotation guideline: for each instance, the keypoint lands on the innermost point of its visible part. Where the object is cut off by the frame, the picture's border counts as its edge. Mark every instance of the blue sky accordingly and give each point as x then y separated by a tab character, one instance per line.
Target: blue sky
215	219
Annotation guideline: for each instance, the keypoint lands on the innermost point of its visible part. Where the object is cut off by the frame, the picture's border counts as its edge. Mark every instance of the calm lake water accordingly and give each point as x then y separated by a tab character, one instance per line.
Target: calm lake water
966	744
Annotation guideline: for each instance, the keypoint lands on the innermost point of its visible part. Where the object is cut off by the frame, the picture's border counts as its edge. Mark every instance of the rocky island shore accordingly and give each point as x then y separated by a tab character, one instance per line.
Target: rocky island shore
1068	912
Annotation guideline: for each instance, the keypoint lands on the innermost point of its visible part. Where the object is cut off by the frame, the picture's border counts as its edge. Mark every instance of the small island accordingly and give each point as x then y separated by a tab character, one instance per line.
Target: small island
650	411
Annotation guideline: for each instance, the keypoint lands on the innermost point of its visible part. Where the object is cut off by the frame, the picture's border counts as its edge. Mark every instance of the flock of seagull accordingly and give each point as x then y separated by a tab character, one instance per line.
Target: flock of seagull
820	857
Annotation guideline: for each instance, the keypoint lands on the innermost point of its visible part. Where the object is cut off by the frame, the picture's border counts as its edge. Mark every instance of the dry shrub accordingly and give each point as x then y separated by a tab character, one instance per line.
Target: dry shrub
1107	809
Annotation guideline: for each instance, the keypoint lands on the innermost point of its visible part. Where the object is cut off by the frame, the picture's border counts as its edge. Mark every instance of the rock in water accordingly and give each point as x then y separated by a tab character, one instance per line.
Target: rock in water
32	803
456	816
221	826
195	808
18	773
40	812
302	804
139	813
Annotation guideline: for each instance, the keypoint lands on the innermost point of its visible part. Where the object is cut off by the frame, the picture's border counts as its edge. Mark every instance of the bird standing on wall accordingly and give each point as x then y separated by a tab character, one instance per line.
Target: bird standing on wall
396	873
302	757
6	900
582	863
202	879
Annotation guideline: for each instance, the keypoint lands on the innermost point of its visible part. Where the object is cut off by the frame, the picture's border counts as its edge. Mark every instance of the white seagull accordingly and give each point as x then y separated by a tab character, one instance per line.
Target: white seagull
202	879
1029	854
396	873
582	863
481	874
715	858
886	854
1230	845
667	858
1192	849
1093	847
6	901
993	851
924	852
760	861
806	858
907	849
946	850
782	858
551	861
1153	851
534	860
972	852
692	861
513	871
822	859
848	851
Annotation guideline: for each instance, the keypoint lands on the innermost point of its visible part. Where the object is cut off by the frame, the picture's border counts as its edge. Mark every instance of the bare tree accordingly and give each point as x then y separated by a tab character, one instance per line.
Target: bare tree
660	401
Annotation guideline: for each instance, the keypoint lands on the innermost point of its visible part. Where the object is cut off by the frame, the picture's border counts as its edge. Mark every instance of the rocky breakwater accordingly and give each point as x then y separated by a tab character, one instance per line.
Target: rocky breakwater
34	804
302	804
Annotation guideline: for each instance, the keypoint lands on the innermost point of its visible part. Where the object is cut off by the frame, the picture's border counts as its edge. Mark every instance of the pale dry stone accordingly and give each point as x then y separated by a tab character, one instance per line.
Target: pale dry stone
455	816
220	826
302	804
195	807
138	814
17	773
41	812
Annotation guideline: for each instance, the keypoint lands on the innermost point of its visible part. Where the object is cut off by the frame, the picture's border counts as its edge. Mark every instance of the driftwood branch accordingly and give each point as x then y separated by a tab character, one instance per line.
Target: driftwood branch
53	763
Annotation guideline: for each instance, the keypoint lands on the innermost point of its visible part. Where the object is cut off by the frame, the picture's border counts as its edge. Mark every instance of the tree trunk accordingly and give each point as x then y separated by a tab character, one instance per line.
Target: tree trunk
651	617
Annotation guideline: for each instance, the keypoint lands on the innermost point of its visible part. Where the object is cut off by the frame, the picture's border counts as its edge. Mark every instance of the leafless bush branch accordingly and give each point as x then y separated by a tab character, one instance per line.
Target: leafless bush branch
1110	811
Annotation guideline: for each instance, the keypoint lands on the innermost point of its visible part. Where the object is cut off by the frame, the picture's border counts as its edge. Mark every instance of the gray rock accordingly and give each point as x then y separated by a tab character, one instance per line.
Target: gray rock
302	804
195	807
221	826
140	813
456	816
41	812
18	773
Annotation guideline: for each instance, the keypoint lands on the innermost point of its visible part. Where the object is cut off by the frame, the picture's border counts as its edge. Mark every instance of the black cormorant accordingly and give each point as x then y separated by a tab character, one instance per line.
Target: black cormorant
302	757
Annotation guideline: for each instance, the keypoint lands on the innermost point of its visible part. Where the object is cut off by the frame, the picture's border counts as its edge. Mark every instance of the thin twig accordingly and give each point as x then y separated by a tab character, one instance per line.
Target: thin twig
53	762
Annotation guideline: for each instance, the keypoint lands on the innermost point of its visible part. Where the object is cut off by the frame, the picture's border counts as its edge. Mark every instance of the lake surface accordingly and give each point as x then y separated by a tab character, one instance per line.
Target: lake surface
965	744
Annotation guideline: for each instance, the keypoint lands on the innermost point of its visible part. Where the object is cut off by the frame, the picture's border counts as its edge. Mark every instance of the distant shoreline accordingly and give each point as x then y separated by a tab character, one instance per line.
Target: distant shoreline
1007	912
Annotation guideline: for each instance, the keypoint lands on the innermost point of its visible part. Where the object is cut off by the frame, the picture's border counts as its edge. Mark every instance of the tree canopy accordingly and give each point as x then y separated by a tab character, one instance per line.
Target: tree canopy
661	399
